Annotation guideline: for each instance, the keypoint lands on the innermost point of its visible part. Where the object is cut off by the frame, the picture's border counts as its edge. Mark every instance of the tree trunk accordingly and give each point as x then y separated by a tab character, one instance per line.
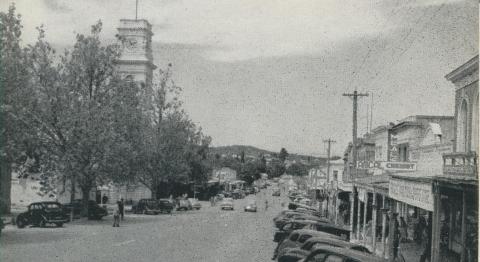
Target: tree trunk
154	190
5	186
72	196
85	199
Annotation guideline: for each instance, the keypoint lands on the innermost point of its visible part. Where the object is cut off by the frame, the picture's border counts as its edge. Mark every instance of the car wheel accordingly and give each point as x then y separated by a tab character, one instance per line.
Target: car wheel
42	223
20	222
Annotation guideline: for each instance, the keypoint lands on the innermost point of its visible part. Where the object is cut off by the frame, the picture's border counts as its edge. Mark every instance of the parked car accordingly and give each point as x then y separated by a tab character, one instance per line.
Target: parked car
331	253
333	229
41	214
251	206
290	226
195	204
294	206
298	237
146	206
165	205
298	216
238	194
250	190
2	225
295	254
184	204
227	203
95	211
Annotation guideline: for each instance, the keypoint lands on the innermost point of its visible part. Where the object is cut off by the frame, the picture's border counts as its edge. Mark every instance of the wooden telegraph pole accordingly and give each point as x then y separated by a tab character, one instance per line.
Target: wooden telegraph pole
329	142
355	96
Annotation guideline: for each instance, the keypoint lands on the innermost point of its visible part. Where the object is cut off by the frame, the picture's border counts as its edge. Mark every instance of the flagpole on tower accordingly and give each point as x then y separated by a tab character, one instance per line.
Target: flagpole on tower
136	9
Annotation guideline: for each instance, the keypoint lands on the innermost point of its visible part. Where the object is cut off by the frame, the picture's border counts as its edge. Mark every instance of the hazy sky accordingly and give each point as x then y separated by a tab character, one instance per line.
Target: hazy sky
271	73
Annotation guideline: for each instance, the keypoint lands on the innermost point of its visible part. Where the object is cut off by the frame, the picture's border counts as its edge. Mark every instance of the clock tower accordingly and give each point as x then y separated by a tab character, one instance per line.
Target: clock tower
136	60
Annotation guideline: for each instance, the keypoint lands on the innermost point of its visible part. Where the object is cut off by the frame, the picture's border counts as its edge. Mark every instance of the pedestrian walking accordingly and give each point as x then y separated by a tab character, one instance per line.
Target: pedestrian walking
121	208
116	218
396	238
420	227
266	204
403	230
427	237
211	201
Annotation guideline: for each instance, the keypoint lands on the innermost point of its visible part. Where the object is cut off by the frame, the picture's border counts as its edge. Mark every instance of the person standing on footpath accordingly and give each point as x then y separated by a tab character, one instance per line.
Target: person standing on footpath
121	208
427	239
116	217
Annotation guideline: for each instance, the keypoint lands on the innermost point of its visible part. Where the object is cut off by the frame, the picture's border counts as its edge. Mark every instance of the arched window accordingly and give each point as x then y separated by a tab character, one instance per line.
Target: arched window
474	145
462	120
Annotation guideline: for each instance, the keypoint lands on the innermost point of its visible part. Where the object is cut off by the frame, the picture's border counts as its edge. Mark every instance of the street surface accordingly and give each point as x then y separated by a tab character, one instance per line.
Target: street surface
208	234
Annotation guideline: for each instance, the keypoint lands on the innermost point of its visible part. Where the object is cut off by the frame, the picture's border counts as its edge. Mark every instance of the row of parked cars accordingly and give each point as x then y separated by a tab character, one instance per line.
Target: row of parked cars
53	213
304	235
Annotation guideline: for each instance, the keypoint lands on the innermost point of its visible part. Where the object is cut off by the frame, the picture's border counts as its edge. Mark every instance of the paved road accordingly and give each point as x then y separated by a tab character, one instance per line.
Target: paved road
208	234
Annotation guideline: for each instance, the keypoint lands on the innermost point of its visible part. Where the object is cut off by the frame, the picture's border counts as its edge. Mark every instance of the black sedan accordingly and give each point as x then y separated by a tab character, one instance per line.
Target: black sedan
330	253
95	211
42	213
295	254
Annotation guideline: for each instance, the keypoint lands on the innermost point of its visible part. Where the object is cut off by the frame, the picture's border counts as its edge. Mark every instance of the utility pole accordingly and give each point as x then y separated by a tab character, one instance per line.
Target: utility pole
355	96
329	142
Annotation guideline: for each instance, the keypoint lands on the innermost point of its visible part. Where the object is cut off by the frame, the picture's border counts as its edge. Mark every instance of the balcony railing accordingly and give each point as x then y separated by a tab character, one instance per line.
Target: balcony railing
460	164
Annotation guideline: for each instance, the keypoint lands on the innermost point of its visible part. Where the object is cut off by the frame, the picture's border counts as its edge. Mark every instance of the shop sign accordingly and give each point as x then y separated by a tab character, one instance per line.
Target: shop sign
387	165
399	166
414	193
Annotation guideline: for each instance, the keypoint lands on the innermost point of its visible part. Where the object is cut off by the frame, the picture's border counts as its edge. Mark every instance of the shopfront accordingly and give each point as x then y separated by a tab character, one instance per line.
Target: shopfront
455	232
412	200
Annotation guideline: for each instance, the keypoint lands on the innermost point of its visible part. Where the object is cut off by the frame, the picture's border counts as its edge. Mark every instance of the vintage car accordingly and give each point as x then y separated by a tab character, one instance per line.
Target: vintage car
195	204
288	227
251	206
95	211
41	214
297	253
238	194
331	253
298	237
276	192
297	216
165	205
184	204
227	203
147	207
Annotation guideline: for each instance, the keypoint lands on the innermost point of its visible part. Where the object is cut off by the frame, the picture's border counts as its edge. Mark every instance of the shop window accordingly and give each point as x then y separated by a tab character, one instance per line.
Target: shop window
474	146
403	152
462	127
378	153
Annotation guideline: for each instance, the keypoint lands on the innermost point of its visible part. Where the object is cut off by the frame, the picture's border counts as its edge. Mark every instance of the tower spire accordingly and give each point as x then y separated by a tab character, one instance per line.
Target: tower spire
136	9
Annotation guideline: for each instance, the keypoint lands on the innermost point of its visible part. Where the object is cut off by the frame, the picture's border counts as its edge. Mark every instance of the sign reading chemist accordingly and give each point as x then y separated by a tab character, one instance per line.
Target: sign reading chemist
414	193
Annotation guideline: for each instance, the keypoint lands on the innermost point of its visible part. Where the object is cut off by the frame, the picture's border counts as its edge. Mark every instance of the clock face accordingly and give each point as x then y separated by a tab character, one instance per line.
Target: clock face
131	43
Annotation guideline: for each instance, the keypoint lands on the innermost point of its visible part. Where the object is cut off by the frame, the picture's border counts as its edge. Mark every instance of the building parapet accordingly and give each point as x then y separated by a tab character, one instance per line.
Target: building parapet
460	164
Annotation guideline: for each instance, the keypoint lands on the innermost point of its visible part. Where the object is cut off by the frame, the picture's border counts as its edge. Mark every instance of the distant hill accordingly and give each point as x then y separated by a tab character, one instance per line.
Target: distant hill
237	150
255	152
